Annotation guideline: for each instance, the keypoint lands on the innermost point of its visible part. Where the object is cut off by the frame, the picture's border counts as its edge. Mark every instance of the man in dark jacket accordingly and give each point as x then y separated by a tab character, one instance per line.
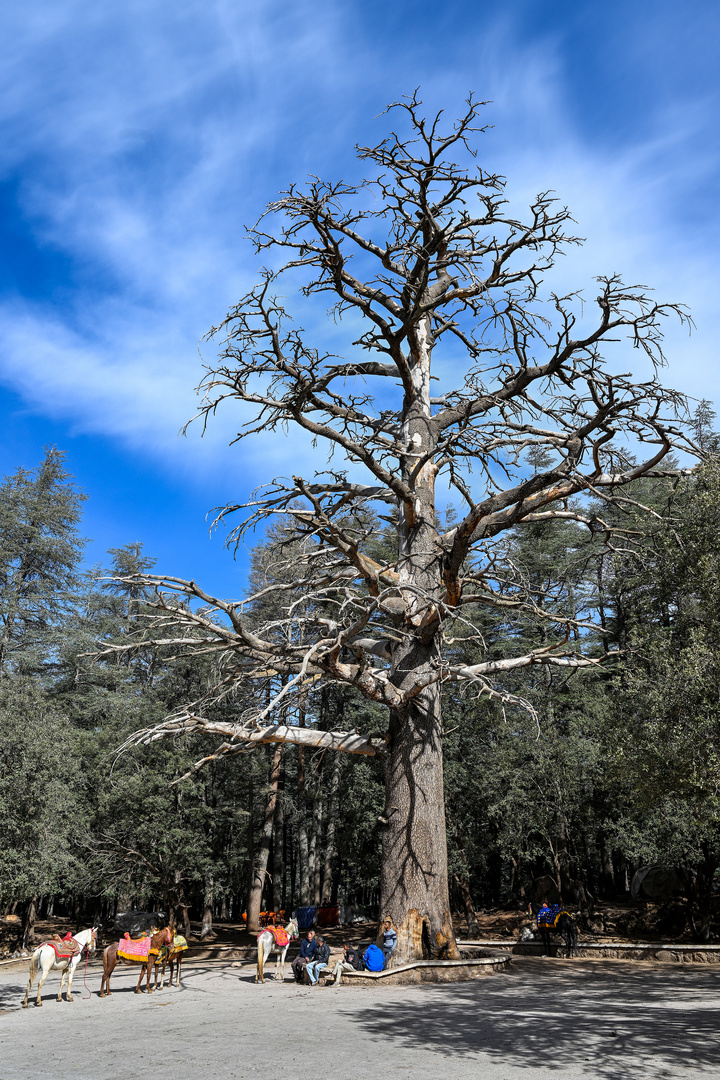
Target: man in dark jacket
351	961
308	949
314	967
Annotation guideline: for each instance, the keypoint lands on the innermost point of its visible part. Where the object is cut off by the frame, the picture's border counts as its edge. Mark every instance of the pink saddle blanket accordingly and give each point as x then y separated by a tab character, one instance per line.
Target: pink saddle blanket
134	950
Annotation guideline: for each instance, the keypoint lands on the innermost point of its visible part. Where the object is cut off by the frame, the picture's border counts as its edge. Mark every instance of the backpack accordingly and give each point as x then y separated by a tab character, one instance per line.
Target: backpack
373	958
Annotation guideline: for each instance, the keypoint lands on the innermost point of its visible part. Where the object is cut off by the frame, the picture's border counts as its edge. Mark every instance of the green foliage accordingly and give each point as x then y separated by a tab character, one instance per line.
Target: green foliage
39	555
43	819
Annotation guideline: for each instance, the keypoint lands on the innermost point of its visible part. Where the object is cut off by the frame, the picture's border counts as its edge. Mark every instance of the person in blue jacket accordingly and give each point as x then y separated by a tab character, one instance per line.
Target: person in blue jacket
308	949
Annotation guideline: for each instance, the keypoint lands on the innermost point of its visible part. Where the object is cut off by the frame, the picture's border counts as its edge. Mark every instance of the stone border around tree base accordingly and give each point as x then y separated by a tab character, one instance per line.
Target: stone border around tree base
434	971
610	950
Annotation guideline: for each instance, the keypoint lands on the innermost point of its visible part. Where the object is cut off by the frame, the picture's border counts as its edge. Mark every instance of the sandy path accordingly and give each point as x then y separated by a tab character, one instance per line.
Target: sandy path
543	1019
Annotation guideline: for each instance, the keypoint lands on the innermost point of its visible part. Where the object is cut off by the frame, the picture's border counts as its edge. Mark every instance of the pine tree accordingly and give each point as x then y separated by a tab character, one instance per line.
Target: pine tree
40	551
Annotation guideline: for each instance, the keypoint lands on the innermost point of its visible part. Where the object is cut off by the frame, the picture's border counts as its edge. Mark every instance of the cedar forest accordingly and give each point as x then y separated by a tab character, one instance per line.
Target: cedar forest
566	659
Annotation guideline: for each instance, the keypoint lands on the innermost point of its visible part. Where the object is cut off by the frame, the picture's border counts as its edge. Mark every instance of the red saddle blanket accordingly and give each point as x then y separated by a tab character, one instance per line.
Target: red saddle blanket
64	950
279	933
135	950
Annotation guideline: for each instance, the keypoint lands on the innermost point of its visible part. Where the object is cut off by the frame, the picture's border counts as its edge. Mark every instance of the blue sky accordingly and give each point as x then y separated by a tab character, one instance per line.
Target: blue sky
139	138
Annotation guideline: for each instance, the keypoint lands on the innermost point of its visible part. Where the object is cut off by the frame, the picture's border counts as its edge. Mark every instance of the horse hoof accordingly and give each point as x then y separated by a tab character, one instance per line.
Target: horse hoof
24	1004
69	998
38	1004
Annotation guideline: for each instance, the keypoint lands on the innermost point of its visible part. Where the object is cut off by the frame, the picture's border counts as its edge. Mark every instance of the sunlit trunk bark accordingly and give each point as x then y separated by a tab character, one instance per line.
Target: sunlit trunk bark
263	849
415	892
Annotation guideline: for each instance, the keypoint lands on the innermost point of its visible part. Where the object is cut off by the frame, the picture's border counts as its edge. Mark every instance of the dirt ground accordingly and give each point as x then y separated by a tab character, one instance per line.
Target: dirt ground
540	1020
610	922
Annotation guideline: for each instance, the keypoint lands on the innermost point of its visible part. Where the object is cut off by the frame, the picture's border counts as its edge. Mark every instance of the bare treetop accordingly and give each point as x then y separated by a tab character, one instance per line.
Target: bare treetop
426	256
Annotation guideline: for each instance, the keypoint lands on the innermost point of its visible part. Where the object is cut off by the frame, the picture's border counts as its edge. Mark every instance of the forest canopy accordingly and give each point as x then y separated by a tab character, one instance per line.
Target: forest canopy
494	680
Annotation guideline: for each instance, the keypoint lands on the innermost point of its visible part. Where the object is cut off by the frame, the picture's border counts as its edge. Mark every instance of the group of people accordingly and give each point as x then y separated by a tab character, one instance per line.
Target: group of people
314	956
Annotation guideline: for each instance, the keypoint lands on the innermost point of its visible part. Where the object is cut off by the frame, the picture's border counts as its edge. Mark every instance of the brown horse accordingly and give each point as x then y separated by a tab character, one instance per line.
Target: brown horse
172	956
111	958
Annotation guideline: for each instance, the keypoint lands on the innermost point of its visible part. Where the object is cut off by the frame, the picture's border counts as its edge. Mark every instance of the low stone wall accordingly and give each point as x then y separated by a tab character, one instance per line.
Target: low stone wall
610	950
423	971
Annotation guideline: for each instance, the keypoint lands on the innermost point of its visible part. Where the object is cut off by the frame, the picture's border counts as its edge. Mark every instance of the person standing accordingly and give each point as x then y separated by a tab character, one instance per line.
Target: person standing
389	942
308	949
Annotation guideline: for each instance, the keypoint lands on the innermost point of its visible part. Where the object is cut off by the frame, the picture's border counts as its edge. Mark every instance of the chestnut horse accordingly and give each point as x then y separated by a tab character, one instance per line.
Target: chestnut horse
111	958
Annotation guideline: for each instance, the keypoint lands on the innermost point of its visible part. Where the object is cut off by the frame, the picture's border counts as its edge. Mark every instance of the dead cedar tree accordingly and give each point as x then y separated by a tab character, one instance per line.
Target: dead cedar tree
425	257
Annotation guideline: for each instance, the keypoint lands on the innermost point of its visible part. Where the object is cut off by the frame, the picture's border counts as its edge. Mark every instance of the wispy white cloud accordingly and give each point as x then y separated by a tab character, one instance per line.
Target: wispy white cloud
145	136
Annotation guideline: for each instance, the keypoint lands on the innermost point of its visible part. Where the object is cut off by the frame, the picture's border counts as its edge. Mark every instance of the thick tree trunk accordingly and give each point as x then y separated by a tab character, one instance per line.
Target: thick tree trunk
415	890
263	850
415	893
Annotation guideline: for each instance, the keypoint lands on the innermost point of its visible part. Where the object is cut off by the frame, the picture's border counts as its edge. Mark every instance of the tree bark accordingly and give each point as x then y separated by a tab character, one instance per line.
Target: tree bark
415	893
608	872
207	922
330	843
311	818
279	843
28	937
415	890
317	866
302	875
464	890
260	862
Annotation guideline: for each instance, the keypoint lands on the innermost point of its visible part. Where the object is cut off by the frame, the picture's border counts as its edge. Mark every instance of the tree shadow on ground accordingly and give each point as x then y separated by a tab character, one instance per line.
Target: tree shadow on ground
611	1022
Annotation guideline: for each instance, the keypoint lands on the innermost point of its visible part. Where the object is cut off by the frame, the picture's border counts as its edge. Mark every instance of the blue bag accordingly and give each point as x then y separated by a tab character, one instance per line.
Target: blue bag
373	958
305	917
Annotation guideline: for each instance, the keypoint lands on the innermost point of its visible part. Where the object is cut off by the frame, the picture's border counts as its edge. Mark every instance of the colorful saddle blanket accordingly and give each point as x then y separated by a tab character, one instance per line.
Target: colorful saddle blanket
179	945
64	950
138	950
279	933
550	916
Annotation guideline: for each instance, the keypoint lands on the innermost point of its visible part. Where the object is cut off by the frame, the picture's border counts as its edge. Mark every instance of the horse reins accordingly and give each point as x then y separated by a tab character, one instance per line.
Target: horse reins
87	961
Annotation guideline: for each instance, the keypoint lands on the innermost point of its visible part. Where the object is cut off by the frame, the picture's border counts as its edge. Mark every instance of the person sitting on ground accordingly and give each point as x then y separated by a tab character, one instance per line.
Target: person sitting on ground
389	942
351	961
308	948
322	958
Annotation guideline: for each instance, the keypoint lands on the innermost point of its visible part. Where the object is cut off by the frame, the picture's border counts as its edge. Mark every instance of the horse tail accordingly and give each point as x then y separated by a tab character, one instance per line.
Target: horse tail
260	960
33	966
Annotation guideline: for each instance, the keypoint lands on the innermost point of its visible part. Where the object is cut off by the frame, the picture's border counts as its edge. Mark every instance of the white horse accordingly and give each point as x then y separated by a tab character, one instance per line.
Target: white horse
266	946
45	959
